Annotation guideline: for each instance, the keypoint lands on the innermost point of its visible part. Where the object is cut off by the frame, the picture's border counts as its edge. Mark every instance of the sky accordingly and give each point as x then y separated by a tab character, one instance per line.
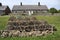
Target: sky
49	3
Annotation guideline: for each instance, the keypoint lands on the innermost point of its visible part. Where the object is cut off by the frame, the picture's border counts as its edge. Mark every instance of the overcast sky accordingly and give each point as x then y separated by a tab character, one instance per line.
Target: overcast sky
49	3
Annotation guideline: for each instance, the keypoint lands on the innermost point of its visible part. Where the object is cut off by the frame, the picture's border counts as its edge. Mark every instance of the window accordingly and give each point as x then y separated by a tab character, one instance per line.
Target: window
24	11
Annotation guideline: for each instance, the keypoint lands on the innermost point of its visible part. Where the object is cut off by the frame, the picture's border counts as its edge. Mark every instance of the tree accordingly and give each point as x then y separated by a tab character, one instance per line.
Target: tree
53	10
58	11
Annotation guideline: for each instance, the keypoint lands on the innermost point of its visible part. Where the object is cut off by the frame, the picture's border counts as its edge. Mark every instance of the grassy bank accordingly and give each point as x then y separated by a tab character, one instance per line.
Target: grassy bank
55	20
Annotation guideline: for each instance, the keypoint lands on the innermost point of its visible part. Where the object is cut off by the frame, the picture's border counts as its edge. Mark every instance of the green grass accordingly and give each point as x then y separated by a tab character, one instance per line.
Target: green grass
55	20
3	21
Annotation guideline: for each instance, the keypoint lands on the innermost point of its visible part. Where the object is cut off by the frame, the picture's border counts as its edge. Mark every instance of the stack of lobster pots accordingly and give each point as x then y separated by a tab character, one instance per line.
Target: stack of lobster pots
27	26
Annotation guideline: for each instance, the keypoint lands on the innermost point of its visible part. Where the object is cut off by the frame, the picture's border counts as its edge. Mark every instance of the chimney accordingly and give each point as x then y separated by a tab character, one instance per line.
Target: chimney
21	3
38	3
0	4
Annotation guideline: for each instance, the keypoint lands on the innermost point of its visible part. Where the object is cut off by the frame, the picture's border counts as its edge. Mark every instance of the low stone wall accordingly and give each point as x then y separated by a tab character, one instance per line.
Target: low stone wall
47	14
43	14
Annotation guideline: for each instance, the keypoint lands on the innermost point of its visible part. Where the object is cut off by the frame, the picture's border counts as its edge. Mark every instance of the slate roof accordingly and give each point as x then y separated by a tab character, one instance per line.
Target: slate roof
3	7
29	7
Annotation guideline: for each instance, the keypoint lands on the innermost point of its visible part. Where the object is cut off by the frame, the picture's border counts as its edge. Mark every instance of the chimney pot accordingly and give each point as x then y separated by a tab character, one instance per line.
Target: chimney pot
38	3
0	4
21	3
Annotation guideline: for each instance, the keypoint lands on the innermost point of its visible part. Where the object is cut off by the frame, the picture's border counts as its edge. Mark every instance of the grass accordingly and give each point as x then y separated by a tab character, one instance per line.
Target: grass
55	20
3	21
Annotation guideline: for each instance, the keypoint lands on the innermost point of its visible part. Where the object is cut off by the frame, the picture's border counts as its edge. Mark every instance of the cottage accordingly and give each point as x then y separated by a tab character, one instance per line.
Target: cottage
29	9
4	10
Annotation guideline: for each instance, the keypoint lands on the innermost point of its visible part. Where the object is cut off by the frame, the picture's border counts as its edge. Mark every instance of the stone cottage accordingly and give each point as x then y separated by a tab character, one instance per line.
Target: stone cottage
4	10
29	9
